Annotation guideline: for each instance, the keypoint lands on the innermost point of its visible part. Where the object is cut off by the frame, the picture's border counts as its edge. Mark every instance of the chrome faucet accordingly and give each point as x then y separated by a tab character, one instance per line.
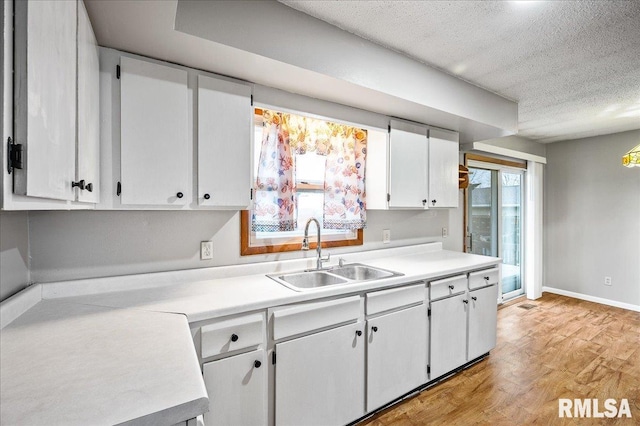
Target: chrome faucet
305	243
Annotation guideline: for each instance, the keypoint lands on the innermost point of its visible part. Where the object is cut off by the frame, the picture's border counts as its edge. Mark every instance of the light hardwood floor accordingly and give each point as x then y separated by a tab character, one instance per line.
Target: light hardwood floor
562	348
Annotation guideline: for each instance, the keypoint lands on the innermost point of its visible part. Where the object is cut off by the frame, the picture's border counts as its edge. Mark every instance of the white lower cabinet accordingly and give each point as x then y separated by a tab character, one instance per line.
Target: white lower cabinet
332	361
463	325
448	334
319	379
396	355
483	318
237	390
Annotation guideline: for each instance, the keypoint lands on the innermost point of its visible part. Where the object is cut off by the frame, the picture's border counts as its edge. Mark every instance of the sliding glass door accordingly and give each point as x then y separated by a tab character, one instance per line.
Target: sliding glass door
494	220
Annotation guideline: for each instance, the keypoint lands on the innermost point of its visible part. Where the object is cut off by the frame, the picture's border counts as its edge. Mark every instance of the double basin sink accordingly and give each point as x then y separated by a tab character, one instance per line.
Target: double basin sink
347	274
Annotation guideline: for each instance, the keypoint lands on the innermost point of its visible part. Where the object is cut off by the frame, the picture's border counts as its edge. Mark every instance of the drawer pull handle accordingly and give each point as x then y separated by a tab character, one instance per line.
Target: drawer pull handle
474	298
234	337
179	195
207	196
451	287
79	184
358	333
257	364
89	187
375	329
486	278
465	301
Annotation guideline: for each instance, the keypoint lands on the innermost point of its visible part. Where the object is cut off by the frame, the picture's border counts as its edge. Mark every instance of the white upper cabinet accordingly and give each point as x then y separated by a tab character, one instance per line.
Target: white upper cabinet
155	150
408	154
224	143
45	98
443	168
88	144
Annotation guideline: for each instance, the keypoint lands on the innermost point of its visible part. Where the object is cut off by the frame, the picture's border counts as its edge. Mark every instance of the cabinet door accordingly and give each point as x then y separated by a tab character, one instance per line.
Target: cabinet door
396	355
320	379
443	168
155	152
224	143
448	335
45	97
483	316
88	143
407	169
237	390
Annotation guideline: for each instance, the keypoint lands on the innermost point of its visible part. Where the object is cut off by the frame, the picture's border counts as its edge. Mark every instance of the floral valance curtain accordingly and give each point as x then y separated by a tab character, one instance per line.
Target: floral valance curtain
344	185
344	190
274	206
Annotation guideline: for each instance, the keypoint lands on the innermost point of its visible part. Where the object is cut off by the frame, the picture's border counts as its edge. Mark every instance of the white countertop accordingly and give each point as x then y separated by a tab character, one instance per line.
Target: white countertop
203	299
113	350
72	364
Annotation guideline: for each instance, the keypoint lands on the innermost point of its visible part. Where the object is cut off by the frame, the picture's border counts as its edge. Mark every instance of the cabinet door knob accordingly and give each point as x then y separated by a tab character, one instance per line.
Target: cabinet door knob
375	329
79	184
424	202
451	287
234	337
433	202
474	298
207	196
257	364
179	195
465	301
358	333
486	278
89	187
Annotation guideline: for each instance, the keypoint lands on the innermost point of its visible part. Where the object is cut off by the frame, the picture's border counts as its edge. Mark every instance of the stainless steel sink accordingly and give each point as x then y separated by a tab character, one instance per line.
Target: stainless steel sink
311	279
359	272
339	275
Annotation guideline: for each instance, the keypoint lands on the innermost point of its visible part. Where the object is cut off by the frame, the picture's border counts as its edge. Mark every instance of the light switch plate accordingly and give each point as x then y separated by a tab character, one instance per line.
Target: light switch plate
386	236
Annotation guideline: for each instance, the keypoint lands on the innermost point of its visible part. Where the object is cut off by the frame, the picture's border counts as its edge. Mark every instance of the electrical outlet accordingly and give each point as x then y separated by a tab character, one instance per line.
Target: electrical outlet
607	280
445	232
386	236
206	250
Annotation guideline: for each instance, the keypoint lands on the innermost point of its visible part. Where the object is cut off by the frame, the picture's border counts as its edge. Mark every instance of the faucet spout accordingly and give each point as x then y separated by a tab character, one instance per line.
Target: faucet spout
305	243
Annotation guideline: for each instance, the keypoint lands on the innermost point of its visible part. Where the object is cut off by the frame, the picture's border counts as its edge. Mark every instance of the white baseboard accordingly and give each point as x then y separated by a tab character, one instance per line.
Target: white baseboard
588	298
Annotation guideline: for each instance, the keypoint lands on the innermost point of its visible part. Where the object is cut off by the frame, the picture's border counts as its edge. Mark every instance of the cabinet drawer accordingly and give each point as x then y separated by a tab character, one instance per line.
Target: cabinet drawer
395	298
447	287
303	318
484	278
232	334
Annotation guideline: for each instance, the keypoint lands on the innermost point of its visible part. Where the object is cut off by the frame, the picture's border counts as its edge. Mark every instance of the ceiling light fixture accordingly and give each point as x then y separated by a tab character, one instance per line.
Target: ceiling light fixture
632	158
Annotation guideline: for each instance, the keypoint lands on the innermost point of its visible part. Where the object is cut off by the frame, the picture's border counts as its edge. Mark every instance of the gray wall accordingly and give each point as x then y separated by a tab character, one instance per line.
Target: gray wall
592	218
14	253
81	244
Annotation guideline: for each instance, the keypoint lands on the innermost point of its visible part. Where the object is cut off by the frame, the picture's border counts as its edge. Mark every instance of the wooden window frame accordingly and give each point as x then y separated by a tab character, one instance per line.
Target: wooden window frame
246	249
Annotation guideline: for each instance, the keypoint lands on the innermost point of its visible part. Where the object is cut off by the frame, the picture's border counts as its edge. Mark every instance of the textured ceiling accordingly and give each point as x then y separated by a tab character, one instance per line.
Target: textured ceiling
573	67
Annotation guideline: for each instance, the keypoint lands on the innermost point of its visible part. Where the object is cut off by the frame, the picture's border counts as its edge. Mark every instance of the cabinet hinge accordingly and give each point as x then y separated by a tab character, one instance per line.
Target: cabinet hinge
251	194
273	357
118	189
14	155
429	312
118	72
428	369
388	197
389	128
251	100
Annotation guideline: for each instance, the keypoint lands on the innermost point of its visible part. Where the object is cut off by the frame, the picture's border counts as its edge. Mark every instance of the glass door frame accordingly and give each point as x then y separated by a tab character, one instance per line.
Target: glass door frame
500	165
